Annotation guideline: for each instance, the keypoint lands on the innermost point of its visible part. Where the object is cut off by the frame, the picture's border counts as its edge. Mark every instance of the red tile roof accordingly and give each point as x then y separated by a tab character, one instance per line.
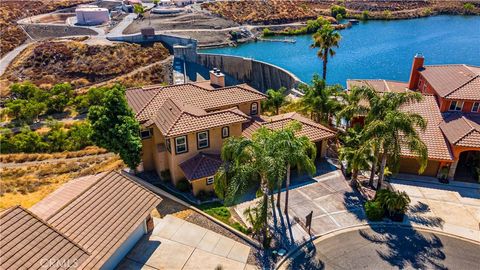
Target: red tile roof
27	242
176	118
454	81
190	94
201	166
380	85
314	131
102	216
462	129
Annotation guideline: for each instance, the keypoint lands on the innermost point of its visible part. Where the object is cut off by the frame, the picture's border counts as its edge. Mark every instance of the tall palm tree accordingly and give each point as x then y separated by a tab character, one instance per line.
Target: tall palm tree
320	100
356	152
275	99
352	104
295	151
390	129
249	162
325	39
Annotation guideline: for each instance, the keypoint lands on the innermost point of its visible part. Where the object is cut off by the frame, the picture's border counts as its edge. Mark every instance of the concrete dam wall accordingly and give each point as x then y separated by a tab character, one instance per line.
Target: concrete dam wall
259	75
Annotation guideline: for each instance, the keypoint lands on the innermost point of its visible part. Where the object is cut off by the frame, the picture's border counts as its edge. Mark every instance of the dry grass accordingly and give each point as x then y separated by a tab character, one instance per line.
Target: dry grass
28	185
22	157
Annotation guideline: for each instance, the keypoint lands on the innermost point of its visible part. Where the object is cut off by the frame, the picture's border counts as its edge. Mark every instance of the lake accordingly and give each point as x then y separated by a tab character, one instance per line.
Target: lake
375	49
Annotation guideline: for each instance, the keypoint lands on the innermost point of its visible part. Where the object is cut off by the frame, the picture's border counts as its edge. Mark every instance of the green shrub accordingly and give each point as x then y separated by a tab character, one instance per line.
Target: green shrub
387	14
267	32
468	6
336	10
427	11
339	17
393	201
374	210
365	15
183	185
219	212
241	228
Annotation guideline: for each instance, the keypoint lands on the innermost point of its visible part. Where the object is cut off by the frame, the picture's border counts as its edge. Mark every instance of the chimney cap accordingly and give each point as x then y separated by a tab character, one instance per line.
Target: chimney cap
419	55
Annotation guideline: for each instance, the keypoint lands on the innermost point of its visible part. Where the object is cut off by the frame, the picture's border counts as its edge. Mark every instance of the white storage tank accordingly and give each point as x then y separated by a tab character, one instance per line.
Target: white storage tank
91	15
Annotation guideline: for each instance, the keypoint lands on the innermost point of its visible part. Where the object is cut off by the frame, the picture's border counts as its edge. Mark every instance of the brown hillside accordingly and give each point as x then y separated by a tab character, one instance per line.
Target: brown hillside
51	62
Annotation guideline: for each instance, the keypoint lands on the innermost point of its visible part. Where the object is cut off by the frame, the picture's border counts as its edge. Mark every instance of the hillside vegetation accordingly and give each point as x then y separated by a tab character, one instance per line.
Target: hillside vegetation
50	62
285	11
13	10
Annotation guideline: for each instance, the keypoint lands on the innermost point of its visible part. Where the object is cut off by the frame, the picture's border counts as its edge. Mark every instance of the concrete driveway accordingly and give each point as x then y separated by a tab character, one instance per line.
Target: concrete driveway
453	208
178	244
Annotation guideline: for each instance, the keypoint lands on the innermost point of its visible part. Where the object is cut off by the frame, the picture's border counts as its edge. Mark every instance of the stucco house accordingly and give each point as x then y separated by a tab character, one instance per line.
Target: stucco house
184	126
90	222
451	106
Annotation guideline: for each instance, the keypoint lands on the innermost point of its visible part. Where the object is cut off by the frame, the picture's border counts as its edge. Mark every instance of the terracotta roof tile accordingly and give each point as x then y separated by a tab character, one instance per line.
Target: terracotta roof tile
175	118
454	81
103	215
380	85
437	146
462	129
193	95
27	242
314	131
201	165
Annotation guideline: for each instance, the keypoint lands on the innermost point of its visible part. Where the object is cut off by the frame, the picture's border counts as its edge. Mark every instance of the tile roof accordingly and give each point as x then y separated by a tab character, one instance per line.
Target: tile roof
191	94
314	131
176	118
201	165
27	242
462	129
102	216
454	81
437	146
380	85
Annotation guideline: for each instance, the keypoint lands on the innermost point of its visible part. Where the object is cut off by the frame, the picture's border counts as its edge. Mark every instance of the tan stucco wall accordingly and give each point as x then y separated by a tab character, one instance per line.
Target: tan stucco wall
411	166
201	184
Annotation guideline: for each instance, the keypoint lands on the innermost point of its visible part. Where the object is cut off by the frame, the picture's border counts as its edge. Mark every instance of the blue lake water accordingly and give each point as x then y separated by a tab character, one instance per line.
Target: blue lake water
375	49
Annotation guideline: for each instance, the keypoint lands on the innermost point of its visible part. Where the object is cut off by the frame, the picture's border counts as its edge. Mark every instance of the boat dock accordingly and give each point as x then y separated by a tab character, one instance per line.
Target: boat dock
286	40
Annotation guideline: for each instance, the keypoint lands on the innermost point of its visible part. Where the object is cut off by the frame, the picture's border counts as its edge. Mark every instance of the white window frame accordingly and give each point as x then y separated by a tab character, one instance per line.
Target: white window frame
478	106
457	108
210	180
227	129
254	112
185	144
206	139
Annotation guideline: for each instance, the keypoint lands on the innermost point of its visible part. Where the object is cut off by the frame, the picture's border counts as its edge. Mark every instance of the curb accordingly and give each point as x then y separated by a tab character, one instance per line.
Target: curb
332	233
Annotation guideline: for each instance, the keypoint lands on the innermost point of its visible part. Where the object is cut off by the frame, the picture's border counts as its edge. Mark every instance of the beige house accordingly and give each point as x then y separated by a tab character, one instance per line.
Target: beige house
184	126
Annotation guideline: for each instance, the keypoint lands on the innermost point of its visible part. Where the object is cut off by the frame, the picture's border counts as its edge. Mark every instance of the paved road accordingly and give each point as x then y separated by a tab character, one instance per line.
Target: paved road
389	248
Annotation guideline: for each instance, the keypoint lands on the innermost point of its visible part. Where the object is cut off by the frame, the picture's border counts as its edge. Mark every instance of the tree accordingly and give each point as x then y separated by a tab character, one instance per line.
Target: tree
94	96
338	10
352	104
25	111
155	2
275	99
294	151
28	141
320	101
60	96
139	10
56	137
356	152
115	127
80	136
325	39
249	162
390	128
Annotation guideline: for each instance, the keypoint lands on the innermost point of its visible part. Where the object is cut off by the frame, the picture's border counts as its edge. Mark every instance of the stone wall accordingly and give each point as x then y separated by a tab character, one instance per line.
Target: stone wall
257	74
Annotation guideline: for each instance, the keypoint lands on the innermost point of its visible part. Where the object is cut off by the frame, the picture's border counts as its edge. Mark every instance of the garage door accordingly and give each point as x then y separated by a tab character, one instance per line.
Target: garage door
410	165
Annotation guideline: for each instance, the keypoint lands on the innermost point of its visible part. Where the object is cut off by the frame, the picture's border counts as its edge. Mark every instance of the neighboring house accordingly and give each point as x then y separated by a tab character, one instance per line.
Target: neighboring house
88	223
184	126
451	107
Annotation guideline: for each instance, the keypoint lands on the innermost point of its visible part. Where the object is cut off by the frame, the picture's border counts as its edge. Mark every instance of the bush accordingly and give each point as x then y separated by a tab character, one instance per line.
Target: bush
374	210
468	6
365	15
241	228
393	201
183	185
338	10
165	175
339	17
267	32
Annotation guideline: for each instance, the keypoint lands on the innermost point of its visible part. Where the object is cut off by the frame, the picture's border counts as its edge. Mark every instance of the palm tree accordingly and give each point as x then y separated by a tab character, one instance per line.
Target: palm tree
391	129
249	162
352	104
275	99
356	152
325	39
296	151
321	101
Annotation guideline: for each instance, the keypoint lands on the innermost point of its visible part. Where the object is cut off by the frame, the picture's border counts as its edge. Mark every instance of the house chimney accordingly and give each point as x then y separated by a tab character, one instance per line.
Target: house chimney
217	78
414	73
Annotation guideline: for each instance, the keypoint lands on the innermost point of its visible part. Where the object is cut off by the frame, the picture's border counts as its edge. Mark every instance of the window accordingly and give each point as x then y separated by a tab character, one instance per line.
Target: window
181	145
475	106
210	180
167	143
225	132
146	133
202	139
254	108
456	105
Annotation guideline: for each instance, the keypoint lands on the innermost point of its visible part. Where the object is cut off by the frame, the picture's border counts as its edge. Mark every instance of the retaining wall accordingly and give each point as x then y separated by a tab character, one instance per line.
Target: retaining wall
259	75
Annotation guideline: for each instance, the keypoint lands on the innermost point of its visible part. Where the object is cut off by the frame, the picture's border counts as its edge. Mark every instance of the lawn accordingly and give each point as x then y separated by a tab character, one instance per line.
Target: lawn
222	213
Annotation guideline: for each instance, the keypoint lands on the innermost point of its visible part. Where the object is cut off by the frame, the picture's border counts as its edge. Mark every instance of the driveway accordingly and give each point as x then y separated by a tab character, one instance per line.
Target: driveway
453	208
178	244
389	247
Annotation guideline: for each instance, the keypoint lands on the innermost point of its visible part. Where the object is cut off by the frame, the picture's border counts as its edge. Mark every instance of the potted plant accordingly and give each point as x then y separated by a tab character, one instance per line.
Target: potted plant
444	175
